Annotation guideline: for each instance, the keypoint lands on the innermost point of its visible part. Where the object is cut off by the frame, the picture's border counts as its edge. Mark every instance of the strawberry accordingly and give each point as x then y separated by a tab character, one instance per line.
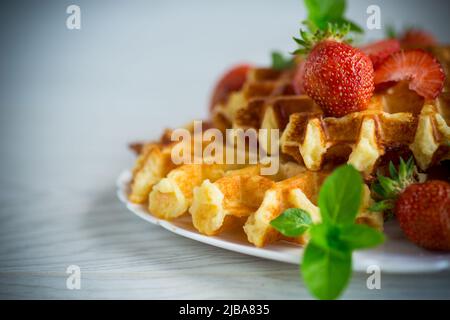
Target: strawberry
231	81
425	74
380	50
423	212
338	77
422	209
415	38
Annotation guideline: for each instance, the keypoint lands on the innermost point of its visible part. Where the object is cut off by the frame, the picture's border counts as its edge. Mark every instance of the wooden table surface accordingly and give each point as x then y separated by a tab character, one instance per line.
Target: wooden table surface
71	103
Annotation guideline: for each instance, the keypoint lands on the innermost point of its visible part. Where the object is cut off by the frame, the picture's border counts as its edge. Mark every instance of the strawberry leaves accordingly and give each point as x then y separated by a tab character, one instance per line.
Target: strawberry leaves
387	189
308	40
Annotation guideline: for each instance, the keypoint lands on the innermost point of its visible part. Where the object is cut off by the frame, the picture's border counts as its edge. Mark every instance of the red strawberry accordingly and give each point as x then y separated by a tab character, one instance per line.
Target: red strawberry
423	71
415	38
423	211
231	81
380	50
338	77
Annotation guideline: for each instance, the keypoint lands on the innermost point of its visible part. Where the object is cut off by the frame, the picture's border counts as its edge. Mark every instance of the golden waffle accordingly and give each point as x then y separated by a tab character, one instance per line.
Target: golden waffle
298	192
397	121
227	201
154	162
172	196
223	196
245	105
152	165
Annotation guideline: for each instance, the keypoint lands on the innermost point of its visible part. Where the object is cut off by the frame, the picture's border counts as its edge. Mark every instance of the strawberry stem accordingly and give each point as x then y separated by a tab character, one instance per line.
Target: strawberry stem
308	40
387	189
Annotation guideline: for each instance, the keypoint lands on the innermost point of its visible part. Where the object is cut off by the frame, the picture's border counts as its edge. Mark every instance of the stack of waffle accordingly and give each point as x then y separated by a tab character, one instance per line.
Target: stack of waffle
221	197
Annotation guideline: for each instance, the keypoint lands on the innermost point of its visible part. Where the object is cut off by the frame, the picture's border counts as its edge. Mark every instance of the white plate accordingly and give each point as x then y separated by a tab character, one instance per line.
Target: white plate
397	255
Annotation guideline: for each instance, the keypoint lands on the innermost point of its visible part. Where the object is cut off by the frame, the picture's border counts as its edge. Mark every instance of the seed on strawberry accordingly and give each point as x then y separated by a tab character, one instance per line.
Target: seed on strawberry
423	211
338	77
421	69
380	50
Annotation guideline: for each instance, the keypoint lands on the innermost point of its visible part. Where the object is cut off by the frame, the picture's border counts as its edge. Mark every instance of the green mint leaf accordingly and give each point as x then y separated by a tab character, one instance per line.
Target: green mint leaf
279	62
292	222
322	9
325	273
359	236
323	12
340	195
327	236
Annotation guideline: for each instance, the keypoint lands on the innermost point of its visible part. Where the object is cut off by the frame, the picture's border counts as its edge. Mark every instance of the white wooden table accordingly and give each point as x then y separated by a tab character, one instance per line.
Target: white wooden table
69	105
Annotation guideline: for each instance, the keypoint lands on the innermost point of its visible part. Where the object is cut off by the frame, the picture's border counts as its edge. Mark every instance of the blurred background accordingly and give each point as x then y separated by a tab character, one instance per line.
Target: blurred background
136	67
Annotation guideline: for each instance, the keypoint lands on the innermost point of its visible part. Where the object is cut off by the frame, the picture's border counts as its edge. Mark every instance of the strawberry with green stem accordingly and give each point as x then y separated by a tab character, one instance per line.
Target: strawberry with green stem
337	76
422	209
386	189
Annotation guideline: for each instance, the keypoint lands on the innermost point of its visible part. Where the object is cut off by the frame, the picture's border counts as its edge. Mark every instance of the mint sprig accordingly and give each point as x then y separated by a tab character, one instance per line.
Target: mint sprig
323	12
327	259
340	196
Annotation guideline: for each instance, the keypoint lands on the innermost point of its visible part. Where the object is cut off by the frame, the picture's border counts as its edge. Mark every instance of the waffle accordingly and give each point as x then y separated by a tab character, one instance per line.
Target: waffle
298	192
227	202
222	197
172	196
219	199
397	122
243	109
153	164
